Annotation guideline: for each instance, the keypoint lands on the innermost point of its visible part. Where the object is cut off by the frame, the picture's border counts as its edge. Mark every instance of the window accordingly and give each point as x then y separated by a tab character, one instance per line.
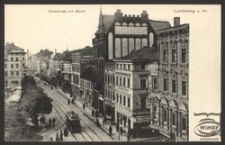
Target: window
23	58
124	82
117	98
143	102
124	66
11	58
128	82
106	78
164	84
17	73
128	66
124	100
120	81
184	88
173	56
5	66
116	80
6	73
142	67
173	119
164	115
113	81
173	86
12	66
164	55
16	58
113	96
17	65
120	99
184	122
12	73
183	55
128	102
155	83
143	83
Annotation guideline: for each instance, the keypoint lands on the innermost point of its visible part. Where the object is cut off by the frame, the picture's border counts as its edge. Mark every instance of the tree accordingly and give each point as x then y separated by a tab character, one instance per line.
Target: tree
16	128
34	101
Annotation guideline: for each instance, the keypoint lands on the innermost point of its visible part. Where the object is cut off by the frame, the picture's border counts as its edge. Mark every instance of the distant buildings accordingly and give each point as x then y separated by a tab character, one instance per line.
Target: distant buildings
14	65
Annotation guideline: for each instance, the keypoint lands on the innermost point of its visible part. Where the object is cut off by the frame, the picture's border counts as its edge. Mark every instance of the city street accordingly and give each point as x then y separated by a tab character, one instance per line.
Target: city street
89	131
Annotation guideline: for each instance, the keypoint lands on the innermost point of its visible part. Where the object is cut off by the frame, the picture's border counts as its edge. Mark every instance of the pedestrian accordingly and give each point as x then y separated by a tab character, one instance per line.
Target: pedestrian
117	127
97	122
72	101
53	121
84	106
110	130
50	122
121	130
57	137
61	135
68	102
51	139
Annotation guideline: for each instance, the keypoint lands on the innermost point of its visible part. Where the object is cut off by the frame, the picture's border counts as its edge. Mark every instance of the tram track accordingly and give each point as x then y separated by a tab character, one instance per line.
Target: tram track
61	104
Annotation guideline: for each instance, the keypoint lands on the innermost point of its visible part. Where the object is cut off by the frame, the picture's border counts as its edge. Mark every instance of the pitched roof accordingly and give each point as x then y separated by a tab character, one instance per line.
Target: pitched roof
144	54
108	21
11	48
182	26
59	56
158	25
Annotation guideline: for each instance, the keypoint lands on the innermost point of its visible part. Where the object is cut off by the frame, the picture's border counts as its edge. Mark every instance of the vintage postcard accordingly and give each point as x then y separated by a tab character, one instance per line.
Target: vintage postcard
112	73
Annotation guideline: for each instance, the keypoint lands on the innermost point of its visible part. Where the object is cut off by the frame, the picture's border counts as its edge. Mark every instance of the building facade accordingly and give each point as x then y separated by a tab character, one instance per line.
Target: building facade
14	65
118	35
169	108
132	74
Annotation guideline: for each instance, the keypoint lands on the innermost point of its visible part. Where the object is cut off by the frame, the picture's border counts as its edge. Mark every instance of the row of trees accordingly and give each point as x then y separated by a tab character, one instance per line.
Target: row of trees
33	102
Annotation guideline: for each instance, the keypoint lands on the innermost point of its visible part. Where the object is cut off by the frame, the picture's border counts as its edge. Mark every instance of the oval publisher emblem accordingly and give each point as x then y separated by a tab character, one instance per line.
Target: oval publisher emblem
207	128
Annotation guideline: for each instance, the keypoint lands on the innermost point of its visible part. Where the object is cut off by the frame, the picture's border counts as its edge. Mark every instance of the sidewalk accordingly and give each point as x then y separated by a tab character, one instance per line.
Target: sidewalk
88	112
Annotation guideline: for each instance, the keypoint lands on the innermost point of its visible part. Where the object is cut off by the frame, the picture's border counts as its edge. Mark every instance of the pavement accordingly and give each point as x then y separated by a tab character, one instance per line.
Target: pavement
88	110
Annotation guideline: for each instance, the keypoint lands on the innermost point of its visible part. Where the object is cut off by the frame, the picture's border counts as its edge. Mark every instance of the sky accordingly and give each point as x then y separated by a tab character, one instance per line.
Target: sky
36	27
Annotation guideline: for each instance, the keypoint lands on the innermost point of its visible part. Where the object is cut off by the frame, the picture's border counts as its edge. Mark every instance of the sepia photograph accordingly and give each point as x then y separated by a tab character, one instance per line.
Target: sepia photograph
111	73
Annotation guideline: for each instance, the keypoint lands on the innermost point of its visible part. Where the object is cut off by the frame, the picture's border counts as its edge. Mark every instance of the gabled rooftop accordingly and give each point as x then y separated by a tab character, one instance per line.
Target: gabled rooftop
144	54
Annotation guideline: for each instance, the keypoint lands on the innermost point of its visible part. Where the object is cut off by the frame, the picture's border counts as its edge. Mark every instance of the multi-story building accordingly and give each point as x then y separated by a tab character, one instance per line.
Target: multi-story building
118	35
132	74
109	99
14	65
169	109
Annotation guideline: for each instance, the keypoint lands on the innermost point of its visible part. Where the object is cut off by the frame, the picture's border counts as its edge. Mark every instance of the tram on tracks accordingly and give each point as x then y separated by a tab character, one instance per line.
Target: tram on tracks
73	122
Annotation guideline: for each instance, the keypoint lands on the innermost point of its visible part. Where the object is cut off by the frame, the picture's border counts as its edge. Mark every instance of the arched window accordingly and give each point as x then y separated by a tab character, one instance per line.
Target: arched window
131	24
124	24
137	25
144	25
117	24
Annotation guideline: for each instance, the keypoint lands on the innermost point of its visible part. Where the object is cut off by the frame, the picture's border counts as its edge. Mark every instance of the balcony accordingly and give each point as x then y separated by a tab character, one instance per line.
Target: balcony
138	112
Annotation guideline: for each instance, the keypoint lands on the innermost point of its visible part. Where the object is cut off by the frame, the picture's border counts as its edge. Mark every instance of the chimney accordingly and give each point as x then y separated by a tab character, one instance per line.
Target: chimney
55	51
144	15
176	21
118	15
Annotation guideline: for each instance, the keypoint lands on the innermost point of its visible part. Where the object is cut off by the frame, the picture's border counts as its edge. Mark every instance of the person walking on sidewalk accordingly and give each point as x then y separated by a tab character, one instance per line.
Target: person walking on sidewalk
50	122
121	130
84	106
110	130
53	121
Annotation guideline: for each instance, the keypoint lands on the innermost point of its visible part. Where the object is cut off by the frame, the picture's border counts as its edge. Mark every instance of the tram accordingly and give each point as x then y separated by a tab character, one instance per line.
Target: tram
73	122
